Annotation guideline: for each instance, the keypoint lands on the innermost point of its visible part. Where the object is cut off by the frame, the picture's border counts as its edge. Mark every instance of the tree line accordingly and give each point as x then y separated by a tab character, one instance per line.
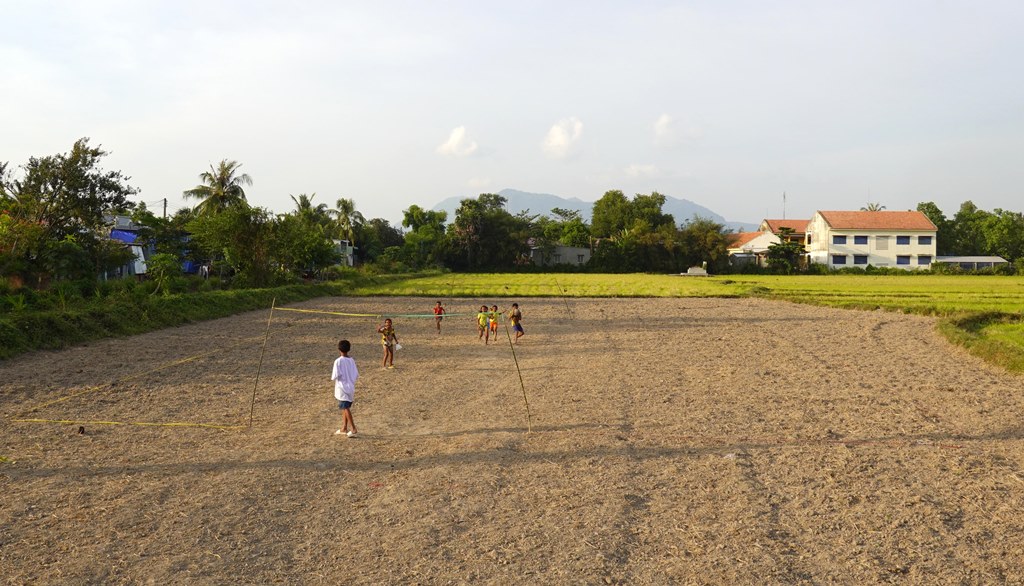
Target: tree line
54	222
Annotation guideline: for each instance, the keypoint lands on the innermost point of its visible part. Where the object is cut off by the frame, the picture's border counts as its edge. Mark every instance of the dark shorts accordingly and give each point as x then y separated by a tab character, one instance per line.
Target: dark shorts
344	404
517	328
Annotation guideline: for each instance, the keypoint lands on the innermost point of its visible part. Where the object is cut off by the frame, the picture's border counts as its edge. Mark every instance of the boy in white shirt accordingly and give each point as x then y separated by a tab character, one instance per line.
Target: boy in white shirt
344	376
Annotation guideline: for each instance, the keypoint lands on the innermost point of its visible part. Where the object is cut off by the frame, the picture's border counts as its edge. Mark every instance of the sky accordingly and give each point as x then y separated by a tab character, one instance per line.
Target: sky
729	104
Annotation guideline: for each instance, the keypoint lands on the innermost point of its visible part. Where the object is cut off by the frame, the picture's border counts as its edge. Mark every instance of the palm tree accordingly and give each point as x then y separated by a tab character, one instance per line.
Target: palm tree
317	215
349	220
221	188
873	207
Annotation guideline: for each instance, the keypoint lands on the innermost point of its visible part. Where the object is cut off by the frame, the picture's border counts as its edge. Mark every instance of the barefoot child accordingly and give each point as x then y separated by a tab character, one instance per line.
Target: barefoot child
492	319
389	340
481	323
515	317
344	376
438	315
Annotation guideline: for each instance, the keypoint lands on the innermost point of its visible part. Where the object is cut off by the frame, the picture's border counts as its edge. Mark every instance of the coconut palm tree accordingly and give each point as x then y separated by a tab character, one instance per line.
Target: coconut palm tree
315	215
221	188
873	207
349	220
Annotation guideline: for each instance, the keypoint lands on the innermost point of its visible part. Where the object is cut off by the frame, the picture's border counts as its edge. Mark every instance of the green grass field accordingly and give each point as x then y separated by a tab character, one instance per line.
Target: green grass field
929	294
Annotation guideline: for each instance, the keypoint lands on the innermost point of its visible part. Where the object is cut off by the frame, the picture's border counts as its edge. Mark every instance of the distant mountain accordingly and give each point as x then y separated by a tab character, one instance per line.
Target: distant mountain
543	203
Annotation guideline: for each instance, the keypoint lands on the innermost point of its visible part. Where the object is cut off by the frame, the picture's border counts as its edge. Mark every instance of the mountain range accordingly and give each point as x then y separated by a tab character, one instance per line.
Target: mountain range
542	203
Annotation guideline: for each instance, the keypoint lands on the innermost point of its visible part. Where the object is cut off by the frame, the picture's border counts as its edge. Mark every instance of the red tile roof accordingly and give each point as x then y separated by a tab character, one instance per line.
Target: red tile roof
739	239
883	220
797	226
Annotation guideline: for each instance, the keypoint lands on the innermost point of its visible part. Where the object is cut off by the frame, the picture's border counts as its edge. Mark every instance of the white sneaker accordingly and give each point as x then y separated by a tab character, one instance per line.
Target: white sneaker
351	434
337	432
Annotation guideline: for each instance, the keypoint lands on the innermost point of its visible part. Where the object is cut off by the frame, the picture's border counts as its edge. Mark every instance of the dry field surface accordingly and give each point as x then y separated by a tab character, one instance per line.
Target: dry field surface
674	441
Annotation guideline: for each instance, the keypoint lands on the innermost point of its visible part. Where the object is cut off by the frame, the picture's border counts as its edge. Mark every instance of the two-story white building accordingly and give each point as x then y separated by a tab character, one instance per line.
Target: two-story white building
904	240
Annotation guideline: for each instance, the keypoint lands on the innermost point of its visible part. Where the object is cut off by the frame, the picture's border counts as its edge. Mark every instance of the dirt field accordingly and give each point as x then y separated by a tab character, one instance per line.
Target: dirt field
695	441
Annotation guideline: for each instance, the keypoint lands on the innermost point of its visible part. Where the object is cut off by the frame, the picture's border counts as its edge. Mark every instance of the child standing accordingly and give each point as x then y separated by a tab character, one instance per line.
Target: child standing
344	376
389	340
515	317
481	322
438	315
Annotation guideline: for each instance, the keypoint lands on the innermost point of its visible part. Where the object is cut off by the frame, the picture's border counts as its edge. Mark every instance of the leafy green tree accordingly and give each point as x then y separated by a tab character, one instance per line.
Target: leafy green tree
610	214
944	236
484	235
648	209
969	229
55	214
221	188
243	236
784	256
873	207
300	246
705	240
426	242
162	269
375	236
1004	234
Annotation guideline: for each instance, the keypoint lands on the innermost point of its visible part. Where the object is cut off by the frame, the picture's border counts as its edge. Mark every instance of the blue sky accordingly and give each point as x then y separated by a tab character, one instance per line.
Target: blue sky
728	104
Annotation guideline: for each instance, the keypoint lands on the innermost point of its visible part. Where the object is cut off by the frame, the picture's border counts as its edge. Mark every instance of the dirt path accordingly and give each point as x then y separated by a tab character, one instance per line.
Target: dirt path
674	441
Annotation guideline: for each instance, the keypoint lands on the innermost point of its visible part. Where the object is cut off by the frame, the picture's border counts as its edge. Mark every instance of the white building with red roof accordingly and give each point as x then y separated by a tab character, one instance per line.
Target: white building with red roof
750	247
797	228
904	240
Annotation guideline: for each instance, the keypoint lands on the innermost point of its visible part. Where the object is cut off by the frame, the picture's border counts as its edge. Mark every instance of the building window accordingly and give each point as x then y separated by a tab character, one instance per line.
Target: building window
924	240
860	259
838	259
839	240
860	239
579	258
901	240
881	243
808	239
924	259
903	259
558	258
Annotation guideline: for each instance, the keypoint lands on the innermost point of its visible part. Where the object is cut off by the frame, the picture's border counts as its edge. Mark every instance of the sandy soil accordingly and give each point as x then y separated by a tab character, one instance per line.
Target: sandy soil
701	441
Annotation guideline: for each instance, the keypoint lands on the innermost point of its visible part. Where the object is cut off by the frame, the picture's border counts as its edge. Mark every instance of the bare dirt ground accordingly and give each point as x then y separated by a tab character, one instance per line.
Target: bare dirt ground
703	441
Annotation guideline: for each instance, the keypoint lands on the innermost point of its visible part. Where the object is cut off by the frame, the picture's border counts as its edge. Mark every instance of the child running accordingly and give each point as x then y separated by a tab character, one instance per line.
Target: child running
344	376
389	340
515	317
492	319
481	322
438	315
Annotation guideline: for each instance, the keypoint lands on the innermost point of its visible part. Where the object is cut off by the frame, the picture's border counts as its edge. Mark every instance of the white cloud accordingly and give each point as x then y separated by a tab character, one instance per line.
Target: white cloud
669	133
458	144
637	170
563	137
664	132
479	182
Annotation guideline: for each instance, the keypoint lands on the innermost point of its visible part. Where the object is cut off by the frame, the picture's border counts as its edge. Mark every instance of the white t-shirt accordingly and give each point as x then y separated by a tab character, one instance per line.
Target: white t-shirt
344	376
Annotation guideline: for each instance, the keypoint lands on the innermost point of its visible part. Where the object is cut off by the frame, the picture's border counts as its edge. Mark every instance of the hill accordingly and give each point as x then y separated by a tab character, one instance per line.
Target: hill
543	203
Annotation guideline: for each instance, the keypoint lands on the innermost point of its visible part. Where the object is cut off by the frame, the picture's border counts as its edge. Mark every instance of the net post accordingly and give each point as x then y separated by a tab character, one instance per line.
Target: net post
252	405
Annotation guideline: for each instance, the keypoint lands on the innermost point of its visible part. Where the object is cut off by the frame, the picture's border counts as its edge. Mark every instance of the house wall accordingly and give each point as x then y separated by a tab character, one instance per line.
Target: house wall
759	244
562	255
880	250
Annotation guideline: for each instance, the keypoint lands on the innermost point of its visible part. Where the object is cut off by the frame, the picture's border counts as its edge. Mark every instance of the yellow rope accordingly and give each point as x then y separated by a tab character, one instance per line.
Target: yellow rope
140	423
328	312
133	376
